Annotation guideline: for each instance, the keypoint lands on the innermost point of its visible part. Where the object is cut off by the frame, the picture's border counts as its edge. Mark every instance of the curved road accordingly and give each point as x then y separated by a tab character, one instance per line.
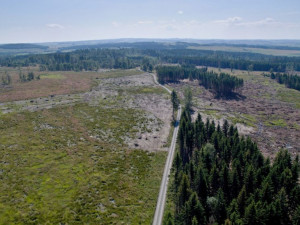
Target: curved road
161	201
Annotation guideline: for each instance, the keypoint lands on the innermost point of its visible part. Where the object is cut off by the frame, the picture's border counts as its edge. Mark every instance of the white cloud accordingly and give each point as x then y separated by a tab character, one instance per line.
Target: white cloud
266	21
180	12
115	24
55	26
229	20
238	21
192	23
145	22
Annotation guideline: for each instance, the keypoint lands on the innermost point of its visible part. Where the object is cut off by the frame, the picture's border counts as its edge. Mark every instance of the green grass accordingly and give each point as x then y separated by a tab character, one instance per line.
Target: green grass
290	96
213	113
52	76
170	136
120	73
296	126
275	121
245	119
170	201
147	90
54	169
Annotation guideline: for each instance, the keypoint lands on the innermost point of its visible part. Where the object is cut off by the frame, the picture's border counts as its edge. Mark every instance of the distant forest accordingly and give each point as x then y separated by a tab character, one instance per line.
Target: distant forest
222	178
148	55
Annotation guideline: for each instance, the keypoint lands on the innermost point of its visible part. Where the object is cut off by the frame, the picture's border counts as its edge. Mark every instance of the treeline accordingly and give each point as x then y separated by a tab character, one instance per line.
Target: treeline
132	55
89	59
222	178
232	60
221	84
290	81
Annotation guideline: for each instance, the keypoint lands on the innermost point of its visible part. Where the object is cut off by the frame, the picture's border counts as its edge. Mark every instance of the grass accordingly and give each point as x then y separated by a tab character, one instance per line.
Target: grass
147	90
52	76
120	73
296	126
170	136
248	120
70	165
213	113
275	121
290	96
170	201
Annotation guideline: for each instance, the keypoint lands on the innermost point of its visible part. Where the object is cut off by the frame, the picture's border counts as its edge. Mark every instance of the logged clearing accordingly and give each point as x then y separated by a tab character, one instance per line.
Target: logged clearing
53	83
91	157
264	110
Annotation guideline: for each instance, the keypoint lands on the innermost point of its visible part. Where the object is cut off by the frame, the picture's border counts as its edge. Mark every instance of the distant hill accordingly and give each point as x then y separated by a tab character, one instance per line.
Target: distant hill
23	46
268	47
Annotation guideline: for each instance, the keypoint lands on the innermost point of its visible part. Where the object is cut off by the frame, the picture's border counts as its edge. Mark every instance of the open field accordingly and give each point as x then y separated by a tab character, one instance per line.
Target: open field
53	83
265	51
90	157
267	111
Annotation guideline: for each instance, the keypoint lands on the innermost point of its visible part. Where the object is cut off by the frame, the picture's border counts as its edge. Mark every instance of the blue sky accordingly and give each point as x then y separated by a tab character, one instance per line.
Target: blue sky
71	20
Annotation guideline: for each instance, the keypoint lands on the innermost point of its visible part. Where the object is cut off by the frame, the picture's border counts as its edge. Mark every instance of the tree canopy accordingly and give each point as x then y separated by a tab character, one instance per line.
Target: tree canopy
221	84
221	176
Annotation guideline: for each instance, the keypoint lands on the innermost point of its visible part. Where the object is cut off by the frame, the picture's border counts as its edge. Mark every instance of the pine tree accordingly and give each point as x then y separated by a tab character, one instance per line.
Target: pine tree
250	214
241	200
183	191
201	184
195	221
225	127
169	219
296	216
175	102
214	180
250	180
194	209
188	98
221	207
30	76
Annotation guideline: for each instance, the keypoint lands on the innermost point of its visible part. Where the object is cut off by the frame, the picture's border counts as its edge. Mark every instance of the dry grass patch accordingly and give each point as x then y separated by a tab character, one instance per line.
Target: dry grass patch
54	83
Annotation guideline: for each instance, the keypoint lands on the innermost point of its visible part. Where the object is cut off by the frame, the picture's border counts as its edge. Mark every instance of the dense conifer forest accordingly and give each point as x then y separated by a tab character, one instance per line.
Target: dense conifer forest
221	177
221	84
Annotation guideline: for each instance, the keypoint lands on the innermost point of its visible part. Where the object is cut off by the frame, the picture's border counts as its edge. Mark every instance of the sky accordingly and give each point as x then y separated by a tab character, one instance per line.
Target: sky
33	21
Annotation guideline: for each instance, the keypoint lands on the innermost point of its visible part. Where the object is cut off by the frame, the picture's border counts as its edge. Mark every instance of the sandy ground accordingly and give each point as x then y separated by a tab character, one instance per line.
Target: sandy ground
156	107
